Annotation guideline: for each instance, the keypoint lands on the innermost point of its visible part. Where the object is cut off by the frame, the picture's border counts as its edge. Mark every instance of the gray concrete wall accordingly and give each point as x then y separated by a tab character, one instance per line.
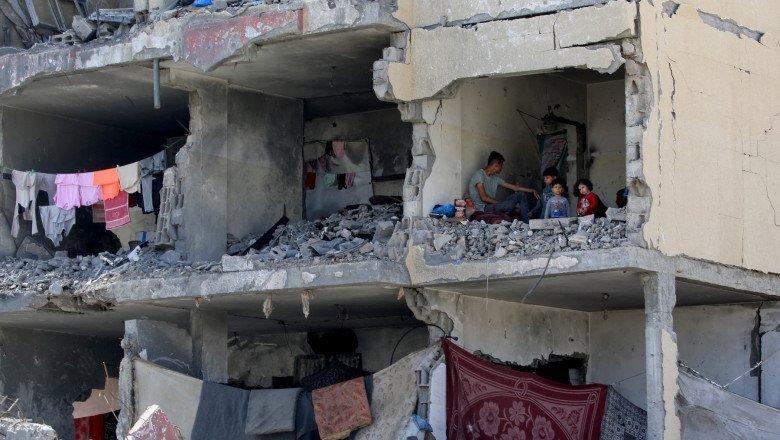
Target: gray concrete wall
513	332
52	144
714	340
254	360
265	162
606	133
47	372
390	140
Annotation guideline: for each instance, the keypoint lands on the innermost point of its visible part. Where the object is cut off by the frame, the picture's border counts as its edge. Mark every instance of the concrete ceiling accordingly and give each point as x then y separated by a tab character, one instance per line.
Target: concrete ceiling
366	306
117	97
585	292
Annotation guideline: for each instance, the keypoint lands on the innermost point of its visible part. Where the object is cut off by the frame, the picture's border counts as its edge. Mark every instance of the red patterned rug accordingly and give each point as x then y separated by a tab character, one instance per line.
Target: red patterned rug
485	401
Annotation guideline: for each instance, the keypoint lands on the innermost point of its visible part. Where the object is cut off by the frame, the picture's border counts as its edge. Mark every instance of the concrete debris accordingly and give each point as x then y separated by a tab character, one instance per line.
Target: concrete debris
18	429
478	240
616	214
350	235
35	247
268	305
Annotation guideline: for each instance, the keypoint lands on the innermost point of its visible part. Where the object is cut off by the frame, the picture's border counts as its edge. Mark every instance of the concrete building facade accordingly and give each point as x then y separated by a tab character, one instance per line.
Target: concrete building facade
676	101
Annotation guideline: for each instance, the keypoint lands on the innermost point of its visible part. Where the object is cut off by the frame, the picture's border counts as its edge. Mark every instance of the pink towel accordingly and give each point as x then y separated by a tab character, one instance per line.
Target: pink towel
349	179
117	211
338	148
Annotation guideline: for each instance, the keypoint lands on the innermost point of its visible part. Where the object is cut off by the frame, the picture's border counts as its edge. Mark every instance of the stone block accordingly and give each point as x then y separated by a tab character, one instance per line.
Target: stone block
153	425
232	263
35	248
550	223
615	20
439	240
84	29
383	231
16	429
616	214
634	169
393	54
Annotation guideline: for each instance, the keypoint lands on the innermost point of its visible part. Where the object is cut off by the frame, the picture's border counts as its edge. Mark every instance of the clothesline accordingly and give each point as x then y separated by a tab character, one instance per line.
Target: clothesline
7	170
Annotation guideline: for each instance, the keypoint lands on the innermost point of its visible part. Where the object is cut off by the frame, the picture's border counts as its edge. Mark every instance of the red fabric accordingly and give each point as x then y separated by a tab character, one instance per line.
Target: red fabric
491	218
311	180
117	212
89	428
588	203
340	409
485	401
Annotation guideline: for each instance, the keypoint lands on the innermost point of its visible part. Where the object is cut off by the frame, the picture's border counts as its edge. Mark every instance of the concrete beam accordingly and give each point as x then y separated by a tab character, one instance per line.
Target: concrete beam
661	357
209	345
522	46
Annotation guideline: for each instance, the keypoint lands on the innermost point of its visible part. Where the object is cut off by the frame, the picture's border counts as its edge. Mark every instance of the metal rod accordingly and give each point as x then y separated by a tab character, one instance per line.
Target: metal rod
156	83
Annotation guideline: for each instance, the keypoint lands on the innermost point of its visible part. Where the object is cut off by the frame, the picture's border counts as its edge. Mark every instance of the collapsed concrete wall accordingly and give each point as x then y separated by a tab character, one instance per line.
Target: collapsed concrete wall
48	371
720	342
713	126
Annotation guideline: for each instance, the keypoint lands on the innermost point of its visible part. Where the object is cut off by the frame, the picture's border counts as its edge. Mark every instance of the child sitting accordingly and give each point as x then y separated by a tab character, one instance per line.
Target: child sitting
589	203
558	205
549	174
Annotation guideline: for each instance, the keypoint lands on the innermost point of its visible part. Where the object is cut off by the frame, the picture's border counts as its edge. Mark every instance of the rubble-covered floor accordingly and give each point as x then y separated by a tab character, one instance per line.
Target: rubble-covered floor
360	234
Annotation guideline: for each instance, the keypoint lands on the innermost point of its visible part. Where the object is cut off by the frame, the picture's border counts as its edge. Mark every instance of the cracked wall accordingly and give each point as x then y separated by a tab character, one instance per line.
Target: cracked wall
710	147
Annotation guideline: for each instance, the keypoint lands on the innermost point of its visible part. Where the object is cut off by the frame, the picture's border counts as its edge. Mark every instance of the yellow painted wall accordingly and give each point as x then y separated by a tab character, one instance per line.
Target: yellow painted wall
711	149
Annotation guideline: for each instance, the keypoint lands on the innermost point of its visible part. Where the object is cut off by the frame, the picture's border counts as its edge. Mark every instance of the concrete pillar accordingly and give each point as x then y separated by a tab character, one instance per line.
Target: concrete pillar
209	345
661	357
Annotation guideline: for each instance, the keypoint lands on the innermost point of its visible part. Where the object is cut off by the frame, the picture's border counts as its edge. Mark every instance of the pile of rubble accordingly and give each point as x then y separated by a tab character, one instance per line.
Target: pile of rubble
59	274
478	240
350	235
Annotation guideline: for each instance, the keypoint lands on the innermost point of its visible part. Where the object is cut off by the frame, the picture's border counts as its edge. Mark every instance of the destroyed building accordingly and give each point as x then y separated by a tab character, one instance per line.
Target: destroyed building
303	110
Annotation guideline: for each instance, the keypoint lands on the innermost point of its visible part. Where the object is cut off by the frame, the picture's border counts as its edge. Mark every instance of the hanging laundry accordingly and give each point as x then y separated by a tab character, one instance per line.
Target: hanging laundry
349	180
622	419
340	409
67	195
329	179
99	212
339	147
45	182
129	178
89	428
485	400
148	167
57	222
323	161
271	411
109	180
89	193
311	180
26	192
117	211
341	178
221	413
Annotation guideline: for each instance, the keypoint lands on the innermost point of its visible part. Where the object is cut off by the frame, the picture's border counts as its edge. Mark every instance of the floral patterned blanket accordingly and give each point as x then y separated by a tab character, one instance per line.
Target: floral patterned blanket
485	401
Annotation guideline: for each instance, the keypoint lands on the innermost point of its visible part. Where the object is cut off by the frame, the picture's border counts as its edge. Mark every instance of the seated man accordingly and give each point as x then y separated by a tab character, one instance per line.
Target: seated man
485	182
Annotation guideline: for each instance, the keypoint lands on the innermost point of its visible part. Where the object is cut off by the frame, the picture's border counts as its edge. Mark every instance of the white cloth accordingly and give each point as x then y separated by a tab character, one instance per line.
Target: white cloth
177	394
26	192
45	182
130	177
57	222
148	167
394	398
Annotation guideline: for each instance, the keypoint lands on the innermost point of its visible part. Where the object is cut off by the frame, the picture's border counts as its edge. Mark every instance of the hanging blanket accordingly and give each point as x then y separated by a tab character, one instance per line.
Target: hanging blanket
117	211
485	401
622	419
340	409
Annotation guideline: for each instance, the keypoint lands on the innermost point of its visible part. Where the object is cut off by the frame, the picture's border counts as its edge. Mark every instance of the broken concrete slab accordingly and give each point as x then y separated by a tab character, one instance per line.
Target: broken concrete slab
616	214
550	223
153	425
35	247
84	28
16	429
